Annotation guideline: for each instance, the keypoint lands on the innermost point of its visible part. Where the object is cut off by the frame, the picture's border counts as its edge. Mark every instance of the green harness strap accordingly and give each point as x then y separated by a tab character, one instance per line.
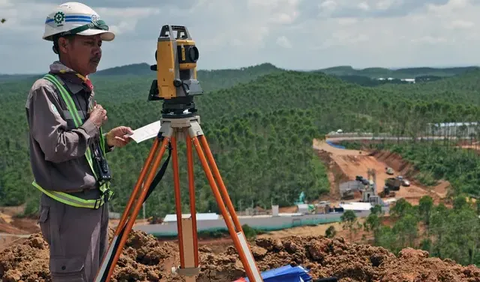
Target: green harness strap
104	188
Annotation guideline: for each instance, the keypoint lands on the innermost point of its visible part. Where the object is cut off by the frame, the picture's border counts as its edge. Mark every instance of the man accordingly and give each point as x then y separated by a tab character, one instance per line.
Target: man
68	147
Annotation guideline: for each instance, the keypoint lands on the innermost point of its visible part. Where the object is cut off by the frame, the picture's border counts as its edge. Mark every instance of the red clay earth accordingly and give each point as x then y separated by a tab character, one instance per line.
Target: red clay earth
146	259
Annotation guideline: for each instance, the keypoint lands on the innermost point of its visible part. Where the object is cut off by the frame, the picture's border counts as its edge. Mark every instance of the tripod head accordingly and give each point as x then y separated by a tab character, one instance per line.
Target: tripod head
176	68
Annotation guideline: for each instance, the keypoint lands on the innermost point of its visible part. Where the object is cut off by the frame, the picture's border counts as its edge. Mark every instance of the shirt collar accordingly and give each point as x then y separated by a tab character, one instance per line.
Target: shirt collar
74	81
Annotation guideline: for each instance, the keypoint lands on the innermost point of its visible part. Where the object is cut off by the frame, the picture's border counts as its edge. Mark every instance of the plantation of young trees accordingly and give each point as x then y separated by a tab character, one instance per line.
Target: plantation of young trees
444	232
259	121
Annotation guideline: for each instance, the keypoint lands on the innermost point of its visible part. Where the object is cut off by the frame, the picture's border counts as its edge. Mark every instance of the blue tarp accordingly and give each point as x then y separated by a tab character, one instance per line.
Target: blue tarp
335	145
286	274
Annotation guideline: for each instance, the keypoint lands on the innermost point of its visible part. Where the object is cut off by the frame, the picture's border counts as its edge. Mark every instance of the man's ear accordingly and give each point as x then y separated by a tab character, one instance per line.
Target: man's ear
63	43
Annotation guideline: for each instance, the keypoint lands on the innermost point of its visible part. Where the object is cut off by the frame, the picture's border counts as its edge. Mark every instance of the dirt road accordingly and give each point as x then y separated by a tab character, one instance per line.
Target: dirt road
354	162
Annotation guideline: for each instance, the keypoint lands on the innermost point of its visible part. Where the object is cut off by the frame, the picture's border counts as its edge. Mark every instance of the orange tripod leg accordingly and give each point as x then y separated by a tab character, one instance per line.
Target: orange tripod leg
216	173
136	209
253	274
132	198
178	202
135	191
191	188
187	227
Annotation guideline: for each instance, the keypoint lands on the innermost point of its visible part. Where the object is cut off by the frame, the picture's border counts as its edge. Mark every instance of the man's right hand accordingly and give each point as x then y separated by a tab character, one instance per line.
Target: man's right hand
98	115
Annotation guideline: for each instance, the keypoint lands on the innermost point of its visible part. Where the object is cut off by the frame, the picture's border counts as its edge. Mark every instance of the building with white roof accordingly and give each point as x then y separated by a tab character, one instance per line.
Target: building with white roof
200	216
356	206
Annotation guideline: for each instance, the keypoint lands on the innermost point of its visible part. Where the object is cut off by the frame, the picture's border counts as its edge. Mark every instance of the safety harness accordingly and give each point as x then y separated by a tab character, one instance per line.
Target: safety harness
106	193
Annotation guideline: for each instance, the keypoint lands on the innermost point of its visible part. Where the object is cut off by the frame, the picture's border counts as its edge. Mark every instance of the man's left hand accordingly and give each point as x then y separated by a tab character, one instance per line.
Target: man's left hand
118	136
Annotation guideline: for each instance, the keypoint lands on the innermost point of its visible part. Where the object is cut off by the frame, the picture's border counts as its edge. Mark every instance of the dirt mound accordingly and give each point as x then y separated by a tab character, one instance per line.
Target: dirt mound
27	261
146	259
350	262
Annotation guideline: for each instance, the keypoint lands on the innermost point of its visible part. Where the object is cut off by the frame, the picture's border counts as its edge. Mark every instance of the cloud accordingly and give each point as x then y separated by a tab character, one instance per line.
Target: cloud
294	34
374	8
283	41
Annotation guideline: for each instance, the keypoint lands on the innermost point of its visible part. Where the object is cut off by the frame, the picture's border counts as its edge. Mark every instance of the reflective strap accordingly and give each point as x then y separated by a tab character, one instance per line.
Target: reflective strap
66	97
105	188
106	193
75	201
74	113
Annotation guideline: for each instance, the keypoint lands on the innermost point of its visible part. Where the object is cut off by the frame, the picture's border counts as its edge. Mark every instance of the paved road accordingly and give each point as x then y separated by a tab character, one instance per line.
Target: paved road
340	137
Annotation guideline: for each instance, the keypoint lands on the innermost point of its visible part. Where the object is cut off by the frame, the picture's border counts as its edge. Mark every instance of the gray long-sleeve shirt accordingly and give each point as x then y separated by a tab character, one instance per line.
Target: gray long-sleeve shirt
57	147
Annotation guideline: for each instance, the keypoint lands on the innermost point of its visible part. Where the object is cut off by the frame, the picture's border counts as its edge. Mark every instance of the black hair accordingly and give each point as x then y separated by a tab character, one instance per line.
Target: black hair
55	42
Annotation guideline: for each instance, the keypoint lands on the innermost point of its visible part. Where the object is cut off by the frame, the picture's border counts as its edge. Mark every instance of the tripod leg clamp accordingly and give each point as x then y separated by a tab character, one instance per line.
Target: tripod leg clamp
189	271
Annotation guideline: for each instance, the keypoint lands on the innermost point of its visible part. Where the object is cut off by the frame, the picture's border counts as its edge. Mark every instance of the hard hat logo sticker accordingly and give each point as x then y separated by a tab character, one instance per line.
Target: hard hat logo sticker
95	18
59	18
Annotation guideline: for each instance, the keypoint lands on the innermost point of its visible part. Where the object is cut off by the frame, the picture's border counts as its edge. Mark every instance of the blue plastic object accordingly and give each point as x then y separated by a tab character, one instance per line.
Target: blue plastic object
285	274
335	145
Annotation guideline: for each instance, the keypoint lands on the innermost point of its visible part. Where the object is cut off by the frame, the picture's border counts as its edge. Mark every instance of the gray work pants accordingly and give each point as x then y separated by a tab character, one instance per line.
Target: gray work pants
78	238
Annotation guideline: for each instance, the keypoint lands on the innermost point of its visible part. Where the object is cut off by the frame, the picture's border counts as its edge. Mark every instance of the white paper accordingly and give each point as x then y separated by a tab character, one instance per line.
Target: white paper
146	132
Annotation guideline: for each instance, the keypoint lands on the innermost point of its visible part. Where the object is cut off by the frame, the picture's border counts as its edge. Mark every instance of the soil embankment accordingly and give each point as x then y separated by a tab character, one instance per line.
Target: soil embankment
146	259
350	163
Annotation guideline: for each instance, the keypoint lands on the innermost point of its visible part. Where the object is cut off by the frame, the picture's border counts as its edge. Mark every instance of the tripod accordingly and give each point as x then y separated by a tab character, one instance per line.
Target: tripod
176	124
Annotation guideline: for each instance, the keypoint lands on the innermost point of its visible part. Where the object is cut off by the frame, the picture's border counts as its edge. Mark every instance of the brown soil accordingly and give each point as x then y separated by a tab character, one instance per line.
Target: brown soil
12	228
347	164
146	259
335	175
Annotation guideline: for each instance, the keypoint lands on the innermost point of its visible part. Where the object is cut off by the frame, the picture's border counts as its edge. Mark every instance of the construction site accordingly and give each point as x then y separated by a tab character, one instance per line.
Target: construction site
296	236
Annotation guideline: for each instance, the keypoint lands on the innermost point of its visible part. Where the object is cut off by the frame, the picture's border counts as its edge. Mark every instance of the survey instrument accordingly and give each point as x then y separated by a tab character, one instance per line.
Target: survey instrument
176	86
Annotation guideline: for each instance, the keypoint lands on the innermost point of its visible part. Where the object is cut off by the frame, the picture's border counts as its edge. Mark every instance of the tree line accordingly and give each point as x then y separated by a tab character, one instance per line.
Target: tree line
444	232
260	131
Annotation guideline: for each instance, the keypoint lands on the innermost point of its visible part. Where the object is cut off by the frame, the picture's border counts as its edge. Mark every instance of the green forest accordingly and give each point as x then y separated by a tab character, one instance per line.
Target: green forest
260	122
447	233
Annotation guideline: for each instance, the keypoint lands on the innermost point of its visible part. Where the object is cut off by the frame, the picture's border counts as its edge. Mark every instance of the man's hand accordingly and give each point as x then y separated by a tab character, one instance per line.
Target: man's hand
98	115
118	136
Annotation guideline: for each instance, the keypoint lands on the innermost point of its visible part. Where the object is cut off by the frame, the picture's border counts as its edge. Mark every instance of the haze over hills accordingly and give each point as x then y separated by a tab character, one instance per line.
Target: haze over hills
397	73
345	72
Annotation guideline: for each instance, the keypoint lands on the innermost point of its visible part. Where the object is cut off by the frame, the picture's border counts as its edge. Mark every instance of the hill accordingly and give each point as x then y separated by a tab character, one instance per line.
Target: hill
261	131
254	128
396	73
347	72
132	69
210	79
133	110
464	88
16	77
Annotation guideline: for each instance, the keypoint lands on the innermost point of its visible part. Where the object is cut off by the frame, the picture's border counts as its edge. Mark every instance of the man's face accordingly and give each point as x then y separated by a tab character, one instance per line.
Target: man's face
83	53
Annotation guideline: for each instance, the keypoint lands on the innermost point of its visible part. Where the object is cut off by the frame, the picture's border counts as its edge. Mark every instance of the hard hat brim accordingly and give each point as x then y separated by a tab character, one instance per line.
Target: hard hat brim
105	35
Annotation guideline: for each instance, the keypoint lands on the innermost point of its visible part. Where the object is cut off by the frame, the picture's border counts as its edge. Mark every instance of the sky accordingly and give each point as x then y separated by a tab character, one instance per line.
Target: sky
291	34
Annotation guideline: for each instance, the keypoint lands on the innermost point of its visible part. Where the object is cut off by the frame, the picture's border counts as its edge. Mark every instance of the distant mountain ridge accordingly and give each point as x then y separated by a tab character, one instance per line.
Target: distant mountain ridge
143	69
132	69
372	72
375	72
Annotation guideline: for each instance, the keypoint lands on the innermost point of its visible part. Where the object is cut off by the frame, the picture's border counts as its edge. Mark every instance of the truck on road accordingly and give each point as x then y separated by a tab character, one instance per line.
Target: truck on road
393	183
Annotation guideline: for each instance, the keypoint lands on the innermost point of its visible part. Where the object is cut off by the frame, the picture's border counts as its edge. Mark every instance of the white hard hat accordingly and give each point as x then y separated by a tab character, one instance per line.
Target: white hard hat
75	18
